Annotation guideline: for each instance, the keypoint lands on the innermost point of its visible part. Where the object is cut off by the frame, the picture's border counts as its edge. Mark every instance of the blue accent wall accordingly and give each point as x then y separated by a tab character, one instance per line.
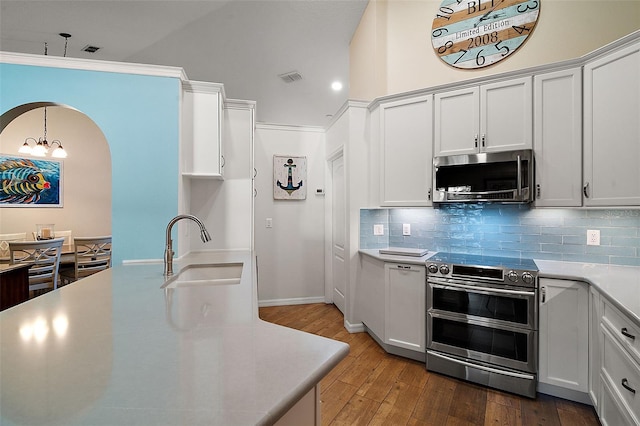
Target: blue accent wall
509	230
139	116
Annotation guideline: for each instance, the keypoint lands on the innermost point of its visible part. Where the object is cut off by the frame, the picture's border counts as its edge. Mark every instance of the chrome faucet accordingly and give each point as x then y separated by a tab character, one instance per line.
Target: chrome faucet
168	251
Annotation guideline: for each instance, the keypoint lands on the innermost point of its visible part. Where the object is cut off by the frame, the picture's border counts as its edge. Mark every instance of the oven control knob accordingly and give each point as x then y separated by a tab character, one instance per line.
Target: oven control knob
444	269
433	268
513	276
527	278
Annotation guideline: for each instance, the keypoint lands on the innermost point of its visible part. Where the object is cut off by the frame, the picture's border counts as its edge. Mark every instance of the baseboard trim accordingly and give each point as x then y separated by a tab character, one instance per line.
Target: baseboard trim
354	328
559	392
293	301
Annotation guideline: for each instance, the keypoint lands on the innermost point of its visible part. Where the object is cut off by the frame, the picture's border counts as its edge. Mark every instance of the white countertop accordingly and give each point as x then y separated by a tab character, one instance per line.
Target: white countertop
115	348
619	284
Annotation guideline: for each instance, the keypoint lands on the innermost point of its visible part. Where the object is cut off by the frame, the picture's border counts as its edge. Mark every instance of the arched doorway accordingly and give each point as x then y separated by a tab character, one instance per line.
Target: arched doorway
86	172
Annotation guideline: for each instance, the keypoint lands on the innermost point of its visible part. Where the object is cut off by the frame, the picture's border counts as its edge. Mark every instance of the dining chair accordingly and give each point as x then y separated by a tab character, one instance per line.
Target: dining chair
4	242
44	256
92	254
67	235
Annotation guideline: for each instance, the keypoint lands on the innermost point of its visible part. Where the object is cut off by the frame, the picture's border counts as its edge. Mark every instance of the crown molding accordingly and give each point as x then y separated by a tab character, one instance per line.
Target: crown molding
92	65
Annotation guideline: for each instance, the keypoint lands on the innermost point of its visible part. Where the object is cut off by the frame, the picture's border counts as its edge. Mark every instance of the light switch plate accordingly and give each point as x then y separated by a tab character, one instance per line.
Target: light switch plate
378	229
406	229
268	223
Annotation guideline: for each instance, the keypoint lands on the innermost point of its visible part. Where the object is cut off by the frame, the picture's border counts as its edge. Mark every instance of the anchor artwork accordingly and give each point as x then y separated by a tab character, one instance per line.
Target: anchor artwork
289	177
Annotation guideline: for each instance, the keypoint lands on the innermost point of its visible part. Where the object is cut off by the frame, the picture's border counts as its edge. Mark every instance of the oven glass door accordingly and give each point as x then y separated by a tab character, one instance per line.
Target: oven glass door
510	347
513	307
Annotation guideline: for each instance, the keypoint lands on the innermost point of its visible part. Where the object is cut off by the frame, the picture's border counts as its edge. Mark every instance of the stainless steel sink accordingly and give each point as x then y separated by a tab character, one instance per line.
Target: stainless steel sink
206	275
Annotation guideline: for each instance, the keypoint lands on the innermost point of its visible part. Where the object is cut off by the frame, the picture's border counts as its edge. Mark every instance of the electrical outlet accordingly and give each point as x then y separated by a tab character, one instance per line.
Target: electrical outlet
593	237
378	229
406	229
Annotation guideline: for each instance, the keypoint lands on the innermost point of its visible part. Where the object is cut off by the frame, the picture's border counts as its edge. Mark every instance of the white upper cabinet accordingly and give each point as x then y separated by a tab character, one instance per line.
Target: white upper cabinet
406	147
557	139
612	129
487	118
202	113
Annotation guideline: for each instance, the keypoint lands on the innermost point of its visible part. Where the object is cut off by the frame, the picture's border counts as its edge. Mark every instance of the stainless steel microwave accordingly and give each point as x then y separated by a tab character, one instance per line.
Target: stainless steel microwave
502	177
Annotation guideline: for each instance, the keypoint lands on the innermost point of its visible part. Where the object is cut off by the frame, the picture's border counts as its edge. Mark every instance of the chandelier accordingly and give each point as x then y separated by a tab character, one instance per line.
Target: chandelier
42	146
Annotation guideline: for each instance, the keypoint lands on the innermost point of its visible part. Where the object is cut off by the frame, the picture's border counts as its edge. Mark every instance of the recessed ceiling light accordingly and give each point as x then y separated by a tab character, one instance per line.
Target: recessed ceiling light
336	86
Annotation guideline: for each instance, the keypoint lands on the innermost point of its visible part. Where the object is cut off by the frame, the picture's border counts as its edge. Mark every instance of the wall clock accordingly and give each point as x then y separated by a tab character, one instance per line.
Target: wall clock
473	34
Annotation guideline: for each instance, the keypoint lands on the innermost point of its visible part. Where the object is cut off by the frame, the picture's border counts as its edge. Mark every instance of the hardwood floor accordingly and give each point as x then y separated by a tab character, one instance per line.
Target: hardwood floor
371	387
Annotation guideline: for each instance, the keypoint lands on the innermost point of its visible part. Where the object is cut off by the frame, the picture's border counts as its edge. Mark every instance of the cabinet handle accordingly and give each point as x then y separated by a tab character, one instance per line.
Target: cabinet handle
255	172
626	333
429	194
255	192
585	189
625	384
543	294
538	190
403	267
483	141
475	141
223	161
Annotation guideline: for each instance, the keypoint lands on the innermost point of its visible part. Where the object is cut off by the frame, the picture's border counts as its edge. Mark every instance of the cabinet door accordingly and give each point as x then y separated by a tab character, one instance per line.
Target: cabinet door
406	137
202	153
612	129
506	117
558	138
456	122
370	295
564	334
405	306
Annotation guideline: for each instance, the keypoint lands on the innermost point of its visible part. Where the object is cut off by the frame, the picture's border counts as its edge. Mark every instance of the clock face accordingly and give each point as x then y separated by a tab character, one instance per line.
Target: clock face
473	34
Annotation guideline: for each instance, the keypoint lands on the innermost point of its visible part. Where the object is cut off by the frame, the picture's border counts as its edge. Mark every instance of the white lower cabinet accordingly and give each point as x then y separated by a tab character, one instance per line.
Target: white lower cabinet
564	338
305	412
405	292
620	372
370	295
595	344
391	303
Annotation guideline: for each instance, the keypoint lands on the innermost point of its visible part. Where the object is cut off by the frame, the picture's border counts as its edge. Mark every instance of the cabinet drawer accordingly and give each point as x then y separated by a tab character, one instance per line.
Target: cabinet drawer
627	333
612	413
622	373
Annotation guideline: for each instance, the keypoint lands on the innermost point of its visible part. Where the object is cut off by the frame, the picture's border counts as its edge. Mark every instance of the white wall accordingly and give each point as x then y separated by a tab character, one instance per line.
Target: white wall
391	50
291	253
86	173
225	206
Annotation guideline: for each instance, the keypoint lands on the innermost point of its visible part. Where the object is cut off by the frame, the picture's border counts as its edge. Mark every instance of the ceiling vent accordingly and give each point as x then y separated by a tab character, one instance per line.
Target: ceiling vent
290	77
90	49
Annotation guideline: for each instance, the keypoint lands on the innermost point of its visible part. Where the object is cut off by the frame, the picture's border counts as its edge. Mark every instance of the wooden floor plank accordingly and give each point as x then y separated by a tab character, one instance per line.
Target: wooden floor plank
372	387
497	414
470	403
334	398
358	412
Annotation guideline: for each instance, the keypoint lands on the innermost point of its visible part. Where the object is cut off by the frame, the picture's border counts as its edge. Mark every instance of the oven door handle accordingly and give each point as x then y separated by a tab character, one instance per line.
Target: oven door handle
477	289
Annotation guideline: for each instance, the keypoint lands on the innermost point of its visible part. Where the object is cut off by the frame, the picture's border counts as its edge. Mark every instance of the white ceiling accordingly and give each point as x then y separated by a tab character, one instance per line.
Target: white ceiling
241	43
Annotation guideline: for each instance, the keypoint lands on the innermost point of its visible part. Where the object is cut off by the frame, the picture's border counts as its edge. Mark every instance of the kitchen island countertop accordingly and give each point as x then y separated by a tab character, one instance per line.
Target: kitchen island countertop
117	348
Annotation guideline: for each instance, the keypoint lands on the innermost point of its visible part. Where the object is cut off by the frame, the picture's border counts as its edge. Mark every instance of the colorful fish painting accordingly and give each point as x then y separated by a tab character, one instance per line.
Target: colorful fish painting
25	182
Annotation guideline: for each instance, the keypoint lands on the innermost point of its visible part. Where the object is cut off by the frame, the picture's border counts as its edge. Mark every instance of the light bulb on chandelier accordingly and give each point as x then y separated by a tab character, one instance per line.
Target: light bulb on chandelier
42	146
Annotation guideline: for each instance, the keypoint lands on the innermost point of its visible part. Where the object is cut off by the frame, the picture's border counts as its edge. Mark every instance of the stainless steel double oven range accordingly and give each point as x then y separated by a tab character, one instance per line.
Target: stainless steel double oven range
482	320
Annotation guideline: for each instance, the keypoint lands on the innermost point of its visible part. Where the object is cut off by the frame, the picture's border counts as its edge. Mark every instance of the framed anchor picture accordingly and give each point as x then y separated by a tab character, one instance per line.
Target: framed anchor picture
289	177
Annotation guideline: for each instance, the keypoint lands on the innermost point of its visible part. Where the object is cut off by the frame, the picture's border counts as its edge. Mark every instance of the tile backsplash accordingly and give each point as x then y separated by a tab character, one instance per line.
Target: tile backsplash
509	230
